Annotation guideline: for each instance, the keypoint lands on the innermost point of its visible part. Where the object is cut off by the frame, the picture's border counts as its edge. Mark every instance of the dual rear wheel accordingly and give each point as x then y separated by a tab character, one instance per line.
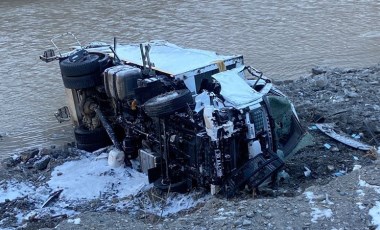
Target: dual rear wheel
83	70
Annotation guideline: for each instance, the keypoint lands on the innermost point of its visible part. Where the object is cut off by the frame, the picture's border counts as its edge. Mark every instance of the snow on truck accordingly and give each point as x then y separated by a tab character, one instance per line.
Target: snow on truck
188	117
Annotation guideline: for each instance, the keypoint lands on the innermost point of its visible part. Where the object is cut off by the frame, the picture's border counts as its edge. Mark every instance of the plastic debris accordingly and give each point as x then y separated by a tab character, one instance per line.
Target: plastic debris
307	173
340	173
328	129
313	127
283	176
327	146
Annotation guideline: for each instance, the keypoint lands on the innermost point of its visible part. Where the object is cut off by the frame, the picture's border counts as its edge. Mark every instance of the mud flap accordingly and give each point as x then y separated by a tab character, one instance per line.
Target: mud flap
253	173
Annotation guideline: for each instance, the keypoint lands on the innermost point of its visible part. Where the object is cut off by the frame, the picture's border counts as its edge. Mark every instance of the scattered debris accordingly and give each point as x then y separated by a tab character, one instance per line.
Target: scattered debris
307	173
330	167
372	153
328	129
313	127
74	221
320	213
327	146
337	113
340	173
335	149
52	197
356	167
283	176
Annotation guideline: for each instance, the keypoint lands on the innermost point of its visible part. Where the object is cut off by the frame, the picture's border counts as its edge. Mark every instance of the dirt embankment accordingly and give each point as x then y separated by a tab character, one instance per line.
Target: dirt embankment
341	190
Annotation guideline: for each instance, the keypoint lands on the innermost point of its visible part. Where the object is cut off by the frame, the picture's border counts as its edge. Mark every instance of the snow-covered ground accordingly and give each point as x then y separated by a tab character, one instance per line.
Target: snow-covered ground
91	178
87	179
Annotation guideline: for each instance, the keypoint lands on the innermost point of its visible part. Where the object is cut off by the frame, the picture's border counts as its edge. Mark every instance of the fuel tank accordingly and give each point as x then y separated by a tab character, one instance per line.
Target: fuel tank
120	81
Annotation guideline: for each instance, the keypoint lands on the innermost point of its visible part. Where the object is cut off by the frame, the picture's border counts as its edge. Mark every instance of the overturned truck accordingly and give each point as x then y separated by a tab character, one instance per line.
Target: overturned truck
188	117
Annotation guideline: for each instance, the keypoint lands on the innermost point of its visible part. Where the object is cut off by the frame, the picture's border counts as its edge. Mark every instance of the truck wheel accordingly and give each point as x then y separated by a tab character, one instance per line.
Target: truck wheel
85	65
83	136
82	82
167	103
104	61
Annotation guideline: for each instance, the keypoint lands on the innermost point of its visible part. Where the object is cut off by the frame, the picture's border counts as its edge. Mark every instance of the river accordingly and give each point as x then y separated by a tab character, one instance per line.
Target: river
285	39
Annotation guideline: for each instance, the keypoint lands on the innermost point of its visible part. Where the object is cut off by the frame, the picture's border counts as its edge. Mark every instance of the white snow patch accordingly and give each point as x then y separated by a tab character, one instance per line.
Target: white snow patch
19	216
360	205
320	213
89	179
74	221
225	215
310	196
374	212
327	200
360	192
14	189
174	204
363	183
220	218
229	213
356	167
222	213
26	215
